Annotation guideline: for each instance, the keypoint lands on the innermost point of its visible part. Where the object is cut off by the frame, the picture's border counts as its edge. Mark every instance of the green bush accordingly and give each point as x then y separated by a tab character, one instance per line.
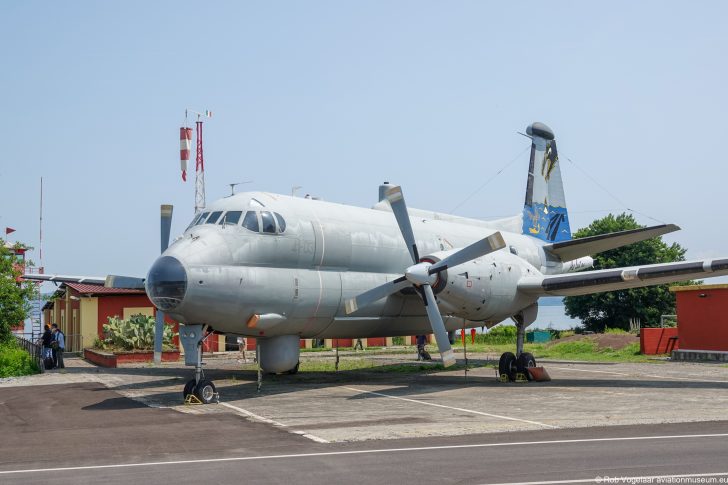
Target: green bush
15	361
505	334
136	333
617	331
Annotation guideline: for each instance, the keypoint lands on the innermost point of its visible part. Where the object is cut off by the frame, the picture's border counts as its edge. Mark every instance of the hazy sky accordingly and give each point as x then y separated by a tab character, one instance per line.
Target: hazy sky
339	96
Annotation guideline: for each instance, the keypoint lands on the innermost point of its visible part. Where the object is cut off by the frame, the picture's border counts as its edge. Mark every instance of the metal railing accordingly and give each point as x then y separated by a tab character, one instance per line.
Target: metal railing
35	350
74	341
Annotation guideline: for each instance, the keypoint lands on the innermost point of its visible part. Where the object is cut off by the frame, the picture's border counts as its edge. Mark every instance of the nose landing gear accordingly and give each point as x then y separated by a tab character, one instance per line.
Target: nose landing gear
203	390
514	367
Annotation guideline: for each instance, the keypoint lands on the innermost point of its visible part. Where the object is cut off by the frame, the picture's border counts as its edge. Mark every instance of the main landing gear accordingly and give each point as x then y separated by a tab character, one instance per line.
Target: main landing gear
198	389
514	367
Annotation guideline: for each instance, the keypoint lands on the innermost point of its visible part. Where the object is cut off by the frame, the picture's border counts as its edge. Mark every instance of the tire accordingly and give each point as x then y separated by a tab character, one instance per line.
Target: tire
189	388
524	361
507	365
205	391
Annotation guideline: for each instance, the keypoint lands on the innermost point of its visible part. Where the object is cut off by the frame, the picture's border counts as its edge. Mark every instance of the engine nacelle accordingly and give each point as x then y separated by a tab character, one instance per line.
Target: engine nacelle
279	354
484	288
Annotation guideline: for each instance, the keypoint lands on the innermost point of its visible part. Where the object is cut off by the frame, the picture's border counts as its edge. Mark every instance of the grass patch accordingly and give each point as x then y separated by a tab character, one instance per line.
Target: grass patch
615	331
588	350
15	362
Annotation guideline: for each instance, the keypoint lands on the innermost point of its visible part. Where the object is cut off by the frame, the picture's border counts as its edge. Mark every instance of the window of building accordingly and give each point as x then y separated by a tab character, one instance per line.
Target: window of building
250	221
281	222
269	223
213	217
231	217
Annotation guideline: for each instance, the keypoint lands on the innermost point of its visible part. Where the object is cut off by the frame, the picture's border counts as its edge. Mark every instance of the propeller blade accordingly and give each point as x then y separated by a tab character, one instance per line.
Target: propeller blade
438	327
396	201
494	242
375	294
166	225
116	281
165	229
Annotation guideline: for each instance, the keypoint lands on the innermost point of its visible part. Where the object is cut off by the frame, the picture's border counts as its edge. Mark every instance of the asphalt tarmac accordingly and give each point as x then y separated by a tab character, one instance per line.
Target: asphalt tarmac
87	433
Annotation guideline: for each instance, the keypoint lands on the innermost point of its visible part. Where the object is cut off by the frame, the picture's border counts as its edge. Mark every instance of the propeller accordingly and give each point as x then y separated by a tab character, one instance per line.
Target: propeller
165	228
422	275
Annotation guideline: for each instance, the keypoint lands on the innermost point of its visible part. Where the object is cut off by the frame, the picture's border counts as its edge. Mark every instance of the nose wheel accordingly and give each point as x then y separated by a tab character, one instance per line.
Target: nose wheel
198	390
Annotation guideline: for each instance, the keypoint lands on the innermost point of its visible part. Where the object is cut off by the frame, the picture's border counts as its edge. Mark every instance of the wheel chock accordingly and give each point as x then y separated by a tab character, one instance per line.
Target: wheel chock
191	399
504	378
521	377
539	374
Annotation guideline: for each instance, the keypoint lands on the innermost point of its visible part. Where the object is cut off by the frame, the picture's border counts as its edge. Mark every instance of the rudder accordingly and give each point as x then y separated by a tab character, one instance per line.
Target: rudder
544	211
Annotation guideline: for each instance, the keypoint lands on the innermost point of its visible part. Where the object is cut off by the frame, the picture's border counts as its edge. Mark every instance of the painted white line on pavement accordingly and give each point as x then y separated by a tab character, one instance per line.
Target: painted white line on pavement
620	479
451	407
696	379
262	419
361	452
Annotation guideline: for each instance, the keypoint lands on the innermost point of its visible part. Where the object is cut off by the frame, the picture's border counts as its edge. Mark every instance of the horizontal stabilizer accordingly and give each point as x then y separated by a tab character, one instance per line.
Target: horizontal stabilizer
588	246
598	281
89	280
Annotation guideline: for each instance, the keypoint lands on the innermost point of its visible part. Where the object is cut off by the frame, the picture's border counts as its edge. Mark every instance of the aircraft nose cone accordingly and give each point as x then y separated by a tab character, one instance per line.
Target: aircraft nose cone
166	283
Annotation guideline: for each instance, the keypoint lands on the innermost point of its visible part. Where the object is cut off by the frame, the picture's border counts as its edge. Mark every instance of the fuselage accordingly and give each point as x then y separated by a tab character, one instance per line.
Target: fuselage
281	265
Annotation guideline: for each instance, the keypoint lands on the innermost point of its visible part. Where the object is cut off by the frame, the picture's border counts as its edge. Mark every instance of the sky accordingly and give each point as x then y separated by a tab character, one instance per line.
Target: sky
338	97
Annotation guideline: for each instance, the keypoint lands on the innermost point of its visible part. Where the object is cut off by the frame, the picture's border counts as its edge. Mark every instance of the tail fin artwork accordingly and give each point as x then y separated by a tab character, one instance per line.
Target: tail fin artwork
544	212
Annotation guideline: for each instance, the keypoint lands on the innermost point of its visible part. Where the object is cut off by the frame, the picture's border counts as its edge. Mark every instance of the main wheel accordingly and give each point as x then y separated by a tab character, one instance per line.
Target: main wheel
205	391
524	361
189	388
507	365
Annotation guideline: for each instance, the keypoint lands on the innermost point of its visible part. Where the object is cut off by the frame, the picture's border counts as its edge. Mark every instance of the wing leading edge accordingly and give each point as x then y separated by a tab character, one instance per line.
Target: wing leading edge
599	281
111	281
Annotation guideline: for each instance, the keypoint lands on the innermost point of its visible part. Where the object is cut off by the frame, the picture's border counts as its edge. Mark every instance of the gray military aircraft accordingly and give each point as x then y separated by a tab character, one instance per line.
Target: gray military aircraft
282	268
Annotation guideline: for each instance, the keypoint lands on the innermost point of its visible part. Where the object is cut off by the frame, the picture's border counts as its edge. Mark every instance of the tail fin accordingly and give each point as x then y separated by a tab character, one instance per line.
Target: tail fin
544	212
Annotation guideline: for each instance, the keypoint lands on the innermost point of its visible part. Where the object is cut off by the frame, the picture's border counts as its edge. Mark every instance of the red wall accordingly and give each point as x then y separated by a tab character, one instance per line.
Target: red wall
702	317
658	340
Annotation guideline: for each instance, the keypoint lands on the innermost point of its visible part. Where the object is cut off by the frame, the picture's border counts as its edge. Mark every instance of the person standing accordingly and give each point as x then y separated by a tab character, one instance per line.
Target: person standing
46	340
59	345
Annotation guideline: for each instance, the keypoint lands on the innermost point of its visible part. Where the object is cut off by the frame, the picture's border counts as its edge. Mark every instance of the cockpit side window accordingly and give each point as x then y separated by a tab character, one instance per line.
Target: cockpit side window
281	222
202	218
214	217
250	221
231	217
269	223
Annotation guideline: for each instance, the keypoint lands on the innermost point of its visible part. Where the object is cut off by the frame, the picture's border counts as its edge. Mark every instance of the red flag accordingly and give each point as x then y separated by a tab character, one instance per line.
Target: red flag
184	175
8	230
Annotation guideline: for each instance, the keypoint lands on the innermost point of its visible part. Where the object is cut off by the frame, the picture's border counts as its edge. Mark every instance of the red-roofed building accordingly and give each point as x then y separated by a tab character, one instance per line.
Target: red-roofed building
81	310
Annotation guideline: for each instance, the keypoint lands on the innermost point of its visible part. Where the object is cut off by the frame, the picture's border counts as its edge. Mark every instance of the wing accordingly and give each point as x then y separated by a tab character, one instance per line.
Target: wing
588	246
598	281
111	281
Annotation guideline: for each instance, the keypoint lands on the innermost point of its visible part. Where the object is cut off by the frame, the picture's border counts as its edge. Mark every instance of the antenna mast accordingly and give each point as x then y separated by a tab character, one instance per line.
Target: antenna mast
199	161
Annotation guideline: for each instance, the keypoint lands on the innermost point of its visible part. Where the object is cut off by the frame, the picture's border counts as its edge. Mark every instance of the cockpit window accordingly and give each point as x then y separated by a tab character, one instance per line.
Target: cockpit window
281	222
202	218
214	217
194	220
250	221
231	217
269	223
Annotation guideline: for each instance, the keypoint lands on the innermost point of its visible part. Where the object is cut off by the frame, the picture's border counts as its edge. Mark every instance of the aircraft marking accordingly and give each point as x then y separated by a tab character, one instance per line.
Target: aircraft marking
364	452
508	418
277	424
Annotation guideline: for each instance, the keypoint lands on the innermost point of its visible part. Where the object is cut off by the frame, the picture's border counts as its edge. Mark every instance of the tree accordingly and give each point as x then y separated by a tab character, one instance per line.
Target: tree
14	297
614	309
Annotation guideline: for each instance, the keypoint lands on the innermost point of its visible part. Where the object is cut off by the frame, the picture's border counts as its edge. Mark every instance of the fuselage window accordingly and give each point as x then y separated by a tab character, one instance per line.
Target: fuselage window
202	218
269	223
231	217
281	222
214	217
514	250
250	221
